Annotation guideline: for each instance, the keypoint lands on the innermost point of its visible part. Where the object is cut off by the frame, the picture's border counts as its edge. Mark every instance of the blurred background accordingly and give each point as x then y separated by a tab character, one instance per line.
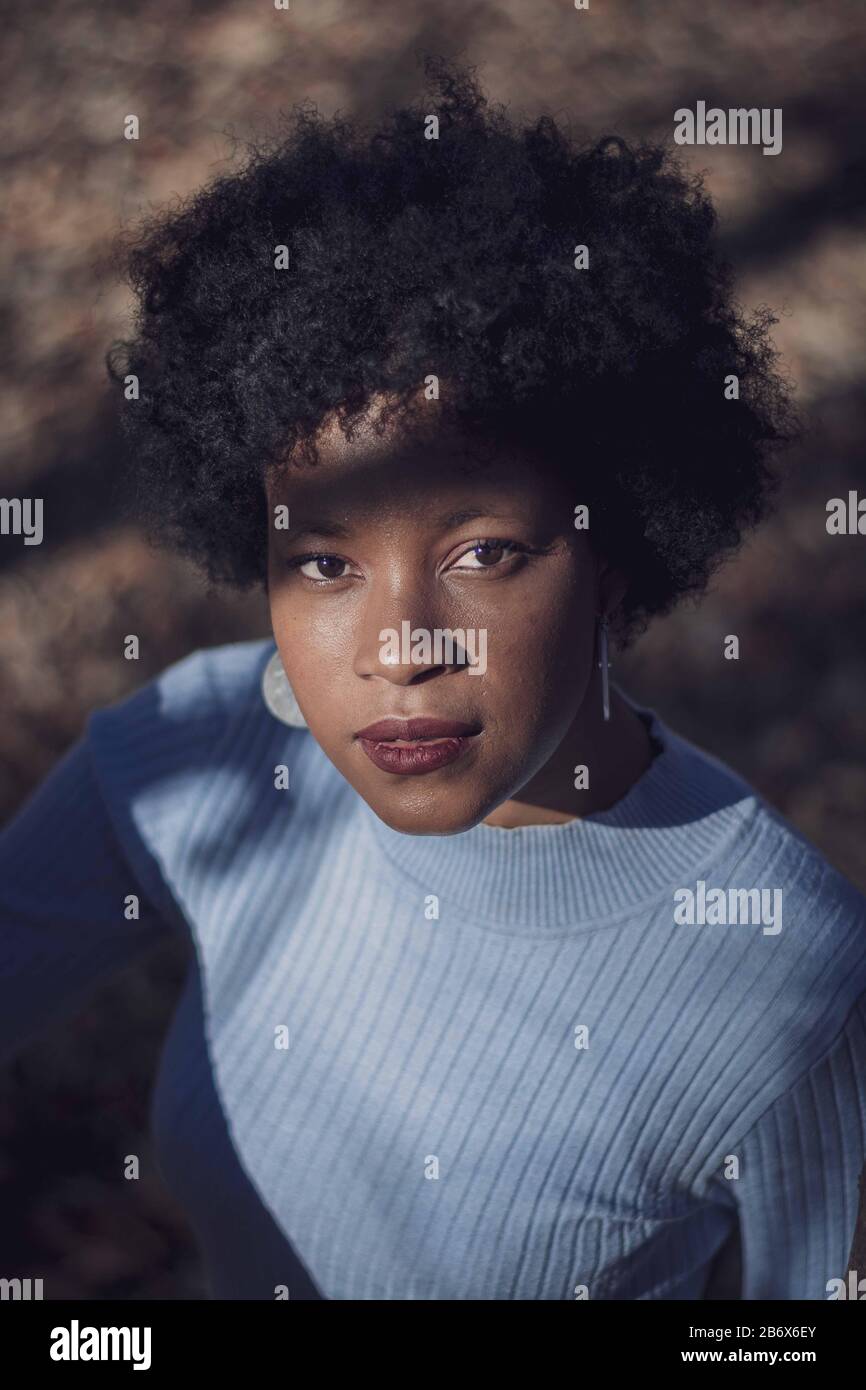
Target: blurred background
202	75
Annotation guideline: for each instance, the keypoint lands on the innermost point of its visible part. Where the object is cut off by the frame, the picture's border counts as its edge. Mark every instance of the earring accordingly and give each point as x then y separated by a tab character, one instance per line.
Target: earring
604	664
279	696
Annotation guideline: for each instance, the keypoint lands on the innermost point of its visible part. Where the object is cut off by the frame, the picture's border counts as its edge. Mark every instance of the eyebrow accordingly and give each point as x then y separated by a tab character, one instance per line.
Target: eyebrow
330	529
459	518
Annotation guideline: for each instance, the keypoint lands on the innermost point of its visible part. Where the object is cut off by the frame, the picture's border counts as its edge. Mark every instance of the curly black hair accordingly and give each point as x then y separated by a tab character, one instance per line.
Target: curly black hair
410	255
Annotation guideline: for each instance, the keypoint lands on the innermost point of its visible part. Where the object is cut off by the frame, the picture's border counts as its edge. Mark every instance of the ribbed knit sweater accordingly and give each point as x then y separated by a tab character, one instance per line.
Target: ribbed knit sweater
502	1064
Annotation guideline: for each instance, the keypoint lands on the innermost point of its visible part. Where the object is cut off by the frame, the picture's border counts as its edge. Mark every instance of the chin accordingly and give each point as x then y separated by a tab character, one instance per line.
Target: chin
427	820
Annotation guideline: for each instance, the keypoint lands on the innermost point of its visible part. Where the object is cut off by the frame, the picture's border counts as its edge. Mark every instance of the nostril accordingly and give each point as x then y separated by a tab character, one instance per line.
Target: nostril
427	674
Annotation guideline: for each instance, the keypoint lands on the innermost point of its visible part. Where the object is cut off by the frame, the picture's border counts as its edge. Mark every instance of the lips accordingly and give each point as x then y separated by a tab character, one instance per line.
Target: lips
415	746
386	730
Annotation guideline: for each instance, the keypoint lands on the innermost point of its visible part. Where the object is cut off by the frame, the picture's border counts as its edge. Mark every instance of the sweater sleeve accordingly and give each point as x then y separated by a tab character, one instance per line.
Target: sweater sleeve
797	1193
66	919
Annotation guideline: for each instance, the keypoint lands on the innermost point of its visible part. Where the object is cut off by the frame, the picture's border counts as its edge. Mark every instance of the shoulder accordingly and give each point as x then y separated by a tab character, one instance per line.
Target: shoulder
819	915
769	943
187	766
198	729
183	712
786	930
212	683
763	848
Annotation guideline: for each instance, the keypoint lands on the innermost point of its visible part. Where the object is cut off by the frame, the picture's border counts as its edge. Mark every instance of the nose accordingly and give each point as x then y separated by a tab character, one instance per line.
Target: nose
396	642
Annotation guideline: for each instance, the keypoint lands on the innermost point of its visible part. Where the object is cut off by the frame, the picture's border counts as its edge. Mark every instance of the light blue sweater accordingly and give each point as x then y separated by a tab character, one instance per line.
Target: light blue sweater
496	1065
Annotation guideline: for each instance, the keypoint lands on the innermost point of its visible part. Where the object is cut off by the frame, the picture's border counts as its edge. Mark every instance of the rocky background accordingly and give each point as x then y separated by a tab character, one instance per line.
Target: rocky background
201	75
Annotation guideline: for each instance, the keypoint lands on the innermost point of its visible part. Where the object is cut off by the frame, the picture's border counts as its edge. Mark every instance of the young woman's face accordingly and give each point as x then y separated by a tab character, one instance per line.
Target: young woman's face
394	547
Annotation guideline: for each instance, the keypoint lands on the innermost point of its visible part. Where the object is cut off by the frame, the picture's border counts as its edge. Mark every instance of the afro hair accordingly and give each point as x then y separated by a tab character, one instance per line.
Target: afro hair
408	255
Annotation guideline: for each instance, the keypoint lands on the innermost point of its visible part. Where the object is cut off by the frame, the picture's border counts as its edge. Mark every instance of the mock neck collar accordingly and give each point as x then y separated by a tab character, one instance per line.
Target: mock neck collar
547	880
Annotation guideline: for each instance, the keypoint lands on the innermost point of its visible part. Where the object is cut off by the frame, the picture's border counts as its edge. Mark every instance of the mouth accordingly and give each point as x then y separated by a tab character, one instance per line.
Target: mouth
414	746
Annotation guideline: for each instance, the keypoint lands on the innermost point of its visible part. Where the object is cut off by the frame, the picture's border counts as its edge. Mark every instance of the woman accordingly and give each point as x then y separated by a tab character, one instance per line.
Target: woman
498	988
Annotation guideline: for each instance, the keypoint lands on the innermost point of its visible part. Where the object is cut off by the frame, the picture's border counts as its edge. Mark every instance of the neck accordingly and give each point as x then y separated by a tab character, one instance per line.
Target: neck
615	754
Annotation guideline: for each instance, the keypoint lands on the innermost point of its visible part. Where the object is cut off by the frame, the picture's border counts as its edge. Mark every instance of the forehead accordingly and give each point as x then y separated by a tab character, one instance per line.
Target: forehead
409	463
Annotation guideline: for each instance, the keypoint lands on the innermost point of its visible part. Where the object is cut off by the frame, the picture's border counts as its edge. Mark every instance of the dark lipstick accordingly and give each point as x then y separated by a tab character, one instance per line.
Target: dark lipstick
412	746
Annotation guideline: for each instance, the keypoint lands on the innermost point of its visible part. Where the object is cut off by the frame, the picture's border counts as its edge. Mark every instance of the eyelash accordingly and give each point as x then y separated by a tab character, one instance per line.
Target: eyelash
492	543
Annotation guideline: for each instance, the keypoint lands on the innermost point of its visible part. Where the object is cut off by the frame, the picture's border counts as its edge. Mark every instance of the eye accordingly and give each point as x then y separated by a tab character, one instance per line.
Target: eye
489	554
319	568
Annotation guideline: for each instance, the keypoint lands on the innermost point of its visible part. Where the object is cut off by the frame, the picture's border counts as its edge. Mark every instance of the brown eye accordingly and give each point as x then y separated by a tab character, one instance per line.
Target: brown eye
489	554
323	567
485	555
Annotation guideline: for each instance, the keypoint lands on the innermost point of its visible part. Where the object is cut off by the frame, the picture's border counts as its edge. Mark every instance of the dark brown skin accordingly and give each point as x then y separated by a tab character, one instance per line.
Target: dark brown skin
403	558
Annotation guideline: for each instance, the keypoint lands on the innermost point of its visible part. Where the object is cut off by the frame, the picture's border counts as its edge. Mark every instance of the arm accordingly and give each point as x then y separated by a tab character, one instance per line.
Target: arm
65	922
797	1193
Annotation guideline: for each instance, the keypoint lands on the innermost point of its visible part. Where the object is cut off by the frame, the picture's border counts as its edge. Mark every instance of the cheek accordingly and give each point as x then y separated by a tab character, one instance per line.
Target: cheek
306	643
539	665
548	635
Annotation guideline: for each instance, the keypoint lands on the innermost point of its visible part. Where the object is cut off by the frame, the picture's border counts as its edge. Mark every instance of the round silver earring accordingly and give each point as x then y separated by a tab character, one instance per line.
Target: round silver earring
279	696
604	667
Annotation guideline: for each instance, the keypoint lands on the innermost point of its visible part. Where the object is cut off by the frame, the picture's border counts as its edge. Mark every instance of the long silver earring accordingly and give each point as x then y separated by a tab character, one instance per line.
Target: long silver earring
279	696
604	666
